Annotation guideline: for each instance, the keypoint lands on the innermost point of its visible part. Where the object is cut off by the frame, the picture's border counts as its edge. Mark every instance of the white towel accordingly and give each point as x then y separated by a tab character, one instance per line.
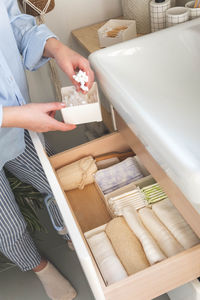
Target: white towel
175	223
166	241
108	262
133	198
151	249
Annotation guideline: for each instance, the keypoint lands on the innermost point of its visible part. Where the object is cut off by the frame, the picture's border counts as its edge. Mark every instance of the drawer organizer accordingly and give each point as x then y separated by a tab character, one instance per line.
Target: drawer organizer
86	210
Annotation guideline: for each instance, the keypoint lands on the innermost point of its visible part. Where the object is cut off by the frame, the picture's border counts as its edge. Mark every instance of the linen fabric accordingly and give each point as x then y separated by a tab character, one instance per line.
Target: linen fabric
133	198
126	245
118	175
175	223
151	248
22	46
165	240
109	264
77	174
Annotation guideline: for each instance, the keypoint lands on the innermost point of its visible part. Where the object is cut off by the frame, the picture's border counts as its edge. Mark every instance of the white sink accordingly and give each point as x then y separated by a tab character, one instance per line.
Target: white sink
154	84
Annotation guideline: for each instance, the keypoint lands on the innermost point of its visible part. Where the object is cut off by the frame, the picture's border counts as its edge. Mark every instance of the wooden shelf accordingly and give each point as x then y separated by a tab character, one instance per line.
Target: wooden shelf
88	37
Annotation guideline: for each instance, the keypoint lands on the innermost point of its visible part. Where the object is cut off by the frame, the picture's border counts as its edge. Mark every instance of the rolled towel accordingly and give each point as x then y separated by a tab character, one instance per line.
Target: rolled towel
126	246
133	198
118	175
151	249
78	174
172	219
166	241
108	262
153	193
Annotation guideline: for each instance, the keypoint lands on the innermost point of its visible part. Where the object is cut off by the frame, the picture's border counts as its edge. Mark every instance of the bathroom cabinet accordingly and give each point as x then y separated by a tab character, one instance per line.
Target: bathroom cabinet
85	210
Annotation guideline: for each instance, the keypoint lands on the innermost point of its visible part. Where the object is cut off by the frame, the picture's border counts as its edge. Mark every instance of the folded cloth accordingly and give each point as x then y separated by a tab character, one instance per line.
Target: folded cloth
78	174
153	193
105	163
165	240
108	262
133	198
151	249
126	246
172	219
118	175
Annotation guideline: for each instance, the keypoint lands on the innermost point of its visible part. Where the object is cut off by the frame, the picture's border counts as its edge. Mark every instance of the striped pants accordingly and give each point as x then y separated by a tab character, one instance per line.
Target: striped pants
15	241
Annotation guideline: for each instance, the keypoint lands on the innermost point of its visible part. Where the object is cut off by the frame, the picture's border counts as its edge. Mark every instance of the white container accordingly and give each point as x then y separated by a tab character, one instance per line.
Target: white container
86	113
158	14
194	12
188	291
123	35
176	15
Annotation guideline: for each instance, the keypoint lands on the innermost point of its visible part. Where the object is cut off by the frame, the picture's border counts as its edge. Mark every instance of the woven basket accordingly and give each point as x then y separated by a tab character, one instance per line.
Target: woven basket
38	3
138	10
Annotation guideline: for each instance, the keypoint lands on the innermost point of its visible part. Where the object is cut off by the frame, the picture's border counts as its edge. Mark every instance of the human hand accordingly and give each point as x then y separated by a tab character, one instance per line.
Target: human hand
37	117
69	61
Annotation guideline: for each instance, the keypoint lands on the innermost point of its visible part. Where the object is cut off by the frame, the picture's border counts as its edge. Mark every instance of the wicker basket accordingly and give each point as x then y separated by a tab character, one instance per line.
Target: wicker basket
138	10
38	3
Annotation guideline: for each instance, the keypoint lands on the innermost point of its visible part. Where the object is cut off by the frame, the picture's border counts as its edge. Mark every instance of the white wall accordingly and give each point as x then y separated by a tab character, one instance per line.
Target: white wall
66	16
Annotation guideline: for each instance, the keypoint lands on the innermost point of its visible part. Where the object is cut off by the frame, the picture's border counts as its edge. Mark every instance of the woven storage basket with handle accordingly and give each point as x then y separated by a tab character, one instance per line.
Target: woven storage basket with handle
39	4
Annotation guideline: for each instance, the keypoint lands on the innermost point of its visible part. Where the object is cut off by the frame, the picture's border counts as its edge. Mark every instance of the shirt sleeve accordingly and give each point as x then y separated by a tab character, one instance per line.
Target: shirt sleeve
30	38
1	114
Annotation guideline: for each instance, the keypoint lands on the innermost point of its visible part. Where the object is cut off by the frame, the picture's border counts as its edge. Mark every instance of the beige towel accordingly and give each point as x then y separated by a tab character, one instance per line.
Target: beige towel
175	223
77	174
126	246
166	241
108	262
151	249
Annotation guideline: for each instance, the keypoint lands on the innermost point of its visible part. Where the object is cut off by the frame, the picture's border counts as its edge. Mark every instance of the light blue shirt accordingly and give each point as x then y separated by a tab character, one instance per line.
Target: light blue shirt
21	46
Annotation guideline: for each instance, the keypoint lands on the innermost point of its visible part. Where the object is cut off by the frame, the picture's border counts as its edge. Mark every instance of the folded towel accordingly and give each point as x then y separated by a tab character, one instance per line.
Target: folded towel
165	240
172	219
109	264
151	249
133	198
118	175
153	193
106	163
126	246
77	174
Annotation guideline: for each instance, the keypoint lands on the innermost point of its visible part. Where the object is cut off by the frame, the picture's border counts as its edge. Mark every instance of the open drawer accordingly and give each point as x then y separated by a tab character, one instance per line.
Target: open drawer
82	212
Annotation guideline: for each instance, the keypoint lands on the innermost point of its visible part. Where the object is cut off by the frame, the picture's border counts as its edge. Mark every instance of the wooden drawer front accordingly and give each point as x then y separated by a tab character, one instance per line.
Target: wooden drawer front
148	283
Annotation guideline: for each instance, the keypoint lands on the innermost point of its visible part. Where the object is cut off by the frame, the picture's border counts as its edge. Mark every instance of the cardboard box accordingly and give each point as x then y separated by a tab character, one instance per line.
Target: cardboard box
122	36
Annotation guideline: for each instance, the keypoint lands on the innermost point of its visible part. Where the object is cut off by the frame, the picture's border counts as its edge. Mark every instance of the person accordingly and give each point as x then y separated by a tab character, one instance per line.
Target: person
26	45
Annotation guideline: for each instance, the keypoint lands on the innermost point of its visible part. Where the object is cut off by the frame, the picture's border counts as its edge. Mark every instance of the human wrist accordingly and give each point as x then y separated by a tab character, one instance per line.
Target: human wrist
11	116
52	48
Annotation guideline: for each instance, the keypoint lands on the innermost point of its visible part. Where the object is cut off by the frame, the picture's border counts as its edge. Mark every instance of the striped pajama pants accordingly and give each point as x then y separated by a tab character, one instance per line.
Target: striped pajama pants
15	241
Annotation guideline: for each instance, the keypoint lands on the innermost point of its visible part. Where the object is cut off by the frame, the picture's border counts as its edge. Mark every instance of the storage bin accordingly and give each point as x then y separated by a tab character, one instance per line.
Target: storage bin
122	35
176	15
188	291
138	10
194	12
86	113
